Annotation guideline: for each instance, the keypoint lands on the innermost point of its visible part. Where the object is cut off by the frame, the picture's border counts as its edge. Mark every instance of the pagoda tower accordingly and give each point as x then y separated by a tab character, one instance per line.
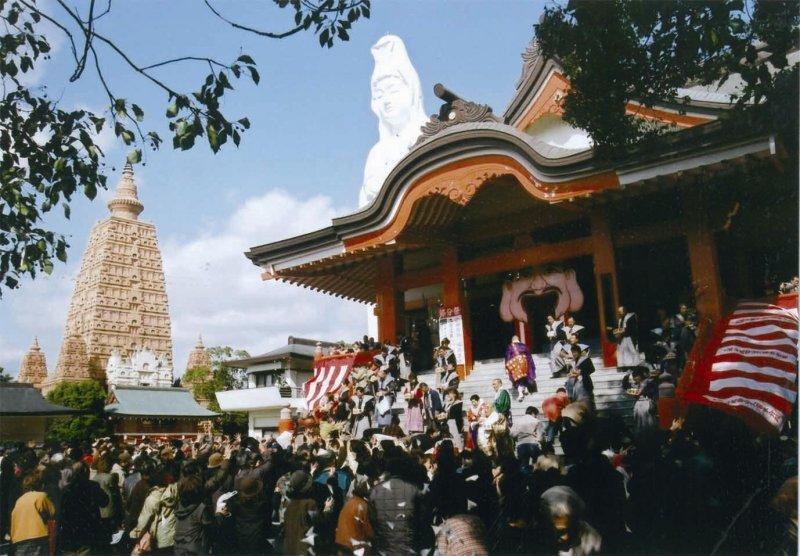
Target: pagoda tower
120	300
33	369
198	356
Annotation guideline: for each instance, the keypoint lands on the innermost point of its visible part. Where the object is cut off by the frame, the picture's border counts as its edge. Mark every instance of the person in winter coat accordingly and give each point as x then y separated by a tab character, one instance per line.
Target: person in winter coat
29	535
302	515
193	518
111	514
565	529
158	513
246	518
80	528
397	511
353	530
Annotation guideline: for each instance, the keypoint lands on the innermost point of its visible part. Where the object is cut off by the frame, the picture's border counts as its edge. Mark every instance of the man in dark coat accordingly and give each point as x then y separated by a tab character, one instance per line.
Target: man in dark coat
81	527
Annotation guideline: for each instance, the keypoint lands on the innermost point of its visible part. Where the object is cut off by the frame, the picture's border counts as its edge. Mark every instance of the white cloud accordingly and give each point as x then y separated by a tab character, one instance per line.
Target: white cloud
37	309
215	290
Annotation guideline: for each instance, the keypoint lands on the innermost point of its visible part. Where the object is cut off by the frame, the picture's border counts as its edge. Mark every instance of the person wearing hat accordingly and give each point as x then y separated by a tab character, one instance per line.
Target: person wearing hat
248	515
299	536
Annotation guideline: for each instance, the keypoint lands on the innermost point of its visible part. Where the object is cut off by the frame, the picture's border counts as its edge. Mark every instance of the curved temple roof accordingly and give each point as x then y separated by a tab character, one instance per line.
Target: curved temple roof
454	158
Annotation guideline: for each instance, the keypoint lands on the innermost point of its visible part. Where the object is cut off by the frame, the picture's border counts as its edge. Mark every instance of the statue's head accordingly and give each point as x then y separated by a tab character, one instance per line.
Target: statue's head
395	86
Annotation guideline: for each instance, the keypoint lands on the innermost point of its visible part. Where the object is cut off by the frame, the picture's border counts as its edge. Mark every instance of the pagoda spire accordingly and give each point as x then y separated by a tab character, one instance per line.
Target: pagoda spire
125	203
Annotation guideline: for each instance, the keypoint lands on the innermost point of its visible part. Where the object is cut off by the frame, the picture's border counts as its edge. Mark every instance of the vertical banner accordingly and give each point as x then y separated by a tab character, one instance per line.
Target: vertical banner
451	326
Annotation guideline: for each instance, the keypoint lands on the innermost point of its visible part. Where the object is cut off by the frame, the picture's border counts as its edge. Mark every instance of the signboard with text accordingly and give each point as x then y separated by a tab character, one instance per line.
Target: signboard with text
451	326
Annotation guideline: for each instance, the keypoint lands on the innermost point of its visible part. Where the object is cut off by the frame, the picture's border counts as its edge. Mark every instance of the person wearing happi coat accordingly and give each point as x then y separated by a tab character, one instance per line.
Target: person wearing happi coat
626	335
520	368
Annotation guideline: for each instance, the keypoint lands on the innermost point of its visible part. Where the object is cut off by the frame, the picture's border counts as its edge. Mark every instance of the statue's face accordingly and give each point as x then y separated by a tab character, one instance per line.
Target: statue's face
559	283
392	99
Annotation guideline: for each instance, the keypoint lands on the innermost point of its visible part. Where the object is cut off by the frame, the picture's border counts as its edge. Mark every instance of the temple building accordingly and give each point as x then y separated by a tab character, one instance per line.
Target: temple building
502	220
274	389
119	304
33	369
142	368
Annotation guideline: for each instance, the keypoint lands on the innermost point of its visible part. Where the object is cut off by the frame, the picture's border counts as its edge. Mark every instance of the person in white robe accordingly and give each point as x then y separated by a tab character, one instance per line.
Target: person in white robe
626	335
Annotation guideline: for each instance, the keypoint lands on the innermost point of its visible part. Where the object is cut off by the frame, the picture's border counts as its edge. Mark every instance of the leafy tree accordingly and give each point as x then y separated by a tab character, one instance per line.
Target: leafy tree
619	51
49	152
4	377
87	395
206	382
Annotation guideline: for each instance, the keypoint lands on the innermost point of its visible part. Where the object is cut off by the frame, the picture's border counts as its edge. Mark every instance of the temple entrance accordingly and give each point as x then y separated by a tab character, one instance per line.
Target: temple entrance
654	277
498	301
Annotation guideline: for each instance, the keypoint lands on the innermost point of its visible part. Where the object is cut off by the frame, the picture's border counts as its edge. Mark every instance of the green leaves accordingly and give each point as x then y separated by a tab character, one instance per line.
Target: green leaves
135	156
625	51
46	154
88	396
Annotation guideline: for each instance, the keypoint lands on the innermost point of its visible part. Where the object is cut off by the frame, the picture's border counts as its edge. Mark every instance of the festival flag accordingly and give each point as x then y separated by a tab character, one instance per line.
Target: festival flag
748	367
329	374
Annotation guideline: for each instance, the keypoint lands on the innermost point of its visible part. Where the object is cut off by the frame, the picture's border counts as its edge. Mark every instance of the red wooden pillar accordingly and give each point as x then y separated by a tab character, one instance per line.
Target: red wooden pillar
702	256
605	276
453	296
390	305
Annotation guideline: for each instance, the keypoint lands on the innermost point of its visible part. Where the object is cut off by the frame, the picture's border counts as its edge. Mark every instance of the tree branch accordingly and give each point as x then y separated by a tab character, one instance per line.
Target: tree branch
56	23
185	58
88	32
267	34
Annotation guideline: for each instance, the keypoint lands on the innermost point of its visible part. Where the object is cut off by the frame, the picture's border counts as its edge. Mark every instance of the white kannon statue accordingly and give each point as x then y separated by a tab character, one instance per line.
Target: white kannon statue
397	101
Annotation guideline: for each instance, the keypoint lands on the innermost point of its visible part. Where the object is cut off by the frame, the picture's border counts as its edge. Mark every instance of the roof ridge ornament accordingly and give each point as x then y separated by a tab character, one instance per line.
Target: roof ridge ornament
455	110
125	203
530	57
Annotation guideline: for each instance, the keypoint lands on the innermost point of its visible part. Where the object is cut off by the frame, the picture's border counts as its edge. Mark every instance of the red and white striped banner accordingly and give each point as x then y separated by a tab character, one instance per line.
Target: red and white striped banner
329	374
748	366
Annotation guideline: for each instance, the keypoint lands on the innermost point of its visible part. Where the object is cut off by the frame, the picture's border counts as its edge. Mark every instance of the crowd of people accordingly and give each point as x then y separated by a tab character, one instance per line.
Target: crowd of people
439	478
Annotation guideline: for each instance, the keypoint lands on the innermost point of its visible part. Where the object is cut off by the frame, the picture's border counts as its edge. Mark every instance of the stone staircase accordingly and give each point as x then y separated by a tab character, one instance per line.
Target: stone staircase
609	395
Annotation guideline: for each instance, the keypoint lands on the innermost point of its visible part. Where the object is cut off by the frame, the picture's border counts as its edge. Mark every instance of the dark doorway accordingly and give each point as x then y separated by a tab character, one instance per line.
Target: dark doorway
652	277
490	335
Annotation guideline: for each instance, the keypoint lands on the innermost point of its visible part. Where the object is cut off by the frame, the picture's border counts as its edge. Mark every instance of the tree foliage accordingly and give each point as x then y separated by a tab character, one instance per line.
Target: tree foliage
87	395
623	51
50	153
4	377
206	382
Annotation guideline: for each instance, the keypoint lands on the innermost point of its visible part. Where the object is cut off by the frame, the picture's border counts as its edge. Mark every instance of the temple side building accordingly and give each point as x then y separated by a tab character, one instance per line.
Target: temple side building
119	304
501	220
33	369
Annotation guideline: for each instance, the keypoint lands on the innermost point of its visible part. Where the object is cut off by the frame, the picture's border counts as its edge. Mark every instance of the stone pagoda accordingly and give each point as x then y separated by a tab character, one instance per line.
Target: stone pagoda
33	369
198	357
120	301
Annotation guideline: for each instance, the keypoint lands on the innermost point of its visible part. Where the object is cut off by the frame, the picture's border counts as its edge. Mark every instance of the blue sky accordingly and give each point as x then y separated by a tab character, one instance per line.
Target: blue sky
300	164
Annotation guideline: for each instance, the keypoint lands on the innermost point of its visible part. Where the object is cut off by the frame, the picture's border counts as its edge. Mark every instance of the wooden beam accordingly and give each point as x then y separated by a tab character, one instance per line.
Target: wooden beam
418	278
650	233
531	256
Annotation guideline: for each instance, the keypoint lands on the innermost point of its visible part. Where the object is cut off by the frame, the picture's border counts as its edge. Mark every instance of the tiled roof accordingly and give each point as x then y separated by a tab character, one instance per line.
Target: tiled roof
24	399
155	402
